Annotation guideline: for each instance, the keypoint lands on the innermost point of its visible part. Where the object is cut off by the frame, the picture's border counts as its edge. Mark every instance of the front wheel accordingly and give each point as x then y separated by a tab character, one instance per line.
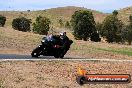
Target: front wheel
36	52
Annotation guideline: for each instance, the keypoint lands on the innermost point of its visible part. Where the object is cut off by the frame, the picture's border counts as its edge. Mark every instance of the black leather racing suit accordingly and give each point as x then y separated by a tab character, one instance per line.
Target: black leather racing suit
65	43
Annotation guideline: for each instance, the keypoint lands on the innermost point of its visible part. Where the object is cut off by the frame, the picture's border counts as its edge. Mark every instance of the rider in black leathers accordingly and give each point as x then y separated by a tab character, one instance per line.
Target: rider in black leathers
65	41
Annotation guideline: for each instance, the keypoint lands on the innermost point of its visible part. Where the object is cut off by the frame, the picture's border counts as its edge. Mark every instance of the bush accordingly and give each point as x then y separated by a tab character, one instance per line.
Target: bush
2	21
21	24
83	24
115	12
61	23
42	25
99	28
95	37
28	11
67	25
127	32
111	28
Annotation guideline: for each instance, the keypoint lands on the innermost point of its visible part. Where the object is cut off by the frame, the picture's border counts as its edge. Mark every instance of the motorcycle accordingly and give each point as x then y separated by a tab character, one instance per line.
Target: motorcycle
51	47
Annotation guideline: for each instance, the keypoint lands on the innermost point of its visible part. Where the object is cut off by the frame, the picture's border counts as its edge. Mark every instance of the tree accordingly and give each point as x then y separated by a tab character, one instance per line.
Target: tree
28	10
42	25
61	23
127	32
111	28
129	35
83	24
99	28
21	24
130	18
115	12
67	25
95	37
2	20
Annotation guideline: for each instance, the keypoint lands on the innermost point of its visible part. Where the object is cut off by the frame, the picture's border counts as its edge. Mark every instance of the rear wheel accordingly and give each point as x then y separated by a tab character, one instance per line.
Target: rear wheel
36	52
57	54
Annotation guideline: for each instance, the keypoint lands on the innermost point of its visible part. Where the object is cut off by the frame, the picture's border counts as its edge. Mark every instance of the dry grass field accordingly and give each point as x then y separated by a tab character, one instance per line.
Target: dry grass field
57	74
16	42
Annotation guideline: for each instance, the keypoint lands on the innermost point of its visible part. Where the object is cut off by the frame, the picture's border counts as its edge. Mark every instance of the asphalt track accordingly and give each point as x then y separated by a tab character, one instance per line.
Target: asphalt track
4	57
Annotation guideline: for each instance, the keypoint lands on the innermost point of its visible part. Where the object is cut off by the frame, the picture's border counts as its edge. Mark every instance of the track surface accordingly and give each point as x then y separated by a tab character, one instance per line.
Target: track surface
28	57
15	56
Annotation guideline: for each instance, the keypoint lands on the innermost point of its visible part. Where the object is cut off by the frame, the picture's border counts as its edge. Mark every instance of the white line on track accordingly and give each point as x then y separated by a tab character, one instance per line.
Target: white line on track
106	60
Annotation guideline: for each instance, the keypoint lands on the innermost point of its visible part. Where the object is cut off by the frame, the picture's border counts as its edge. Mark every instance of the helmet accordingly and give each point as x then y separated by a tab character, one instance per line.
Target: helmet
63	33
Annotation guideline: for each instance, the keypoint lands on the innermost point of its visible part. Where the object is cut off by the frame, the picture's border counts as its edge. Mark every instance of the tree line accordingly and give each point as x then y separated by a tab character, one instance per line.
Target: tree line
40	26
112	29
83	25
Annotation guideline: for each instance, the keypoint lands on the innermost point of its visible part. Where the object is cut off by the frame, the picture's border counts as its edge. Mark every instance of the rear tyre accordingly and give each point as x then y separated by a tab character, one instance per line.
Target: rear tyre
57	54
36	52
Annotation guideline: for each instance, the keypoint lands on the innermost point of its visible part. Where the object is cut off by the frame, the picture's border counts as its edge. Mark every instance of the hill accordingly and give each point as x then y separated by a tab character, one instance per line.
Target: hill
54	14
67	12
125	13
63	13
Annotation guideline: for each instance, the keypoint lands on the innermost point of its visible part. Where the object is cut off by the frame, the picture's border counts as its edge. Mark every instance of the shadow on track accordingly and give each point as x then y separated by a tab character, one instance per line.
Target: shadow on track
15	56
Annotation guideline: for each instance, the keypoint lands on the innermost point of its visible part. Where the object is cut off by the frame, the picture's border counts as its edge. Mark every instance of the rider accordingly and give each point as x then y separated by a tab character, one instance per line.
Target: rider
64	38
49	37
65	41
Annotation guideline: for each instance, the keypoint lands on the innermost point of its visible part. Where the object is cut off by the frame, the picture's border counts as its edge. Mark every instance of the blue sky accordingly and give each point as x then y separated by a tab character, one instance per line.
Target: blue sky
100	5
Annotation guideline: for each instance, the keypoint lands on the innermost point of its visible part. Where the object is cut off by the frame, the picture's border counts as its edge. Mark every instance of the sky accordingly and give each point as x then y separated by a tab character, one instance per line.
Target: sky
100	5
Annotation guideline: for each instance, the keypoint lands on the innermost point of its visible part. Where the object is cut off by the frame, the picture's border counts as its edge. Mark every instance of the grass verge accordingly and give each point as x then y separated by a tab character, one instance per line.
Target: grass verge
1	84
124	52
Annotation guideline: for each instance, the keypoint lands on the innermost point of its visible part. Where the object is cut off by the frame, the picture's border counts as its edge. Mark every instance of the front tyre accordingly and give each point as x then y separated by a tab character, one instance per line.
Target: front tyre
36	52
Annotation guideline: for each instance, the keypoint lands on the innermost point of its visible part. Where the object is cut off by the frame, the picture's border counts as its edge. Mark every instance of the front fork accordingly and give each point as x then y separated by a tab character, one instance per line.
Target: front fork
42	49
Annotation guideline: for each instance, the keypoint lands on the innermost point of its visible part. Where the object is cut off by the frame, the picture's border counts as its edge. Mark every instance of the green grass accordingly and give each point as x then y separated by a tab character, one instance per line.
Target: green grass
1	84
83	49
119	51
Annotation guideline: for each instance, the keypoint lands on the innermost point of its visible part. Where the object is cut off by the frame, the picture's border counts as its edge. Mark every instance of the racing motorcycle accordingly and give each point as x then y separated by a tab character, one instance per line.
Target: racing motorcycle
51	47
